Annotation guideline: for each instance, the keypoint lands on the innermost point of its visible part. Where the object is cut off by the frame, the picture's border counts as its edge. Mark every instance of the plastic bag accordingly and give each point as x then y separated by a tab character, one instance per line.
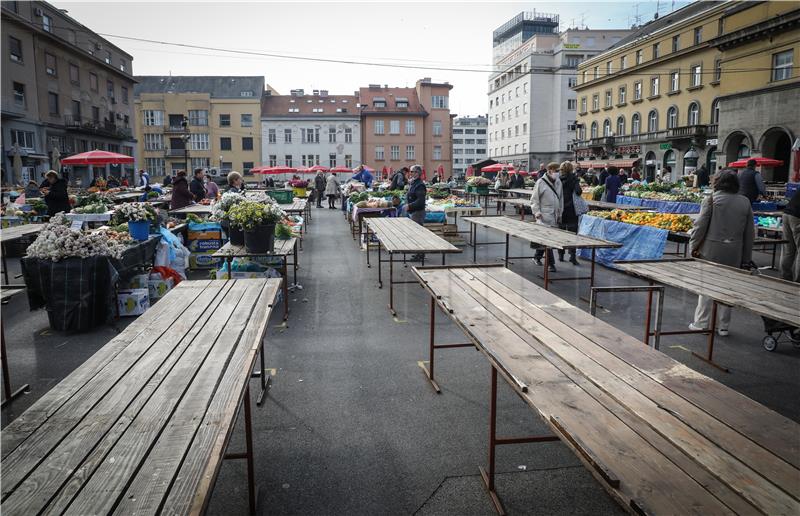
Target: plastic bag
172	253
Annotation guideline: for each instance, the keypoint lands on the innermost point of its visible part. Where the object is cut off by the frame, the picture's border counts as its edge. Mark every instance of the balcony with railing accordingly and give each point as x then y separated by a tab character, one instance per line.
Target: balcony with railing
686	132
175	129
175	153
107	128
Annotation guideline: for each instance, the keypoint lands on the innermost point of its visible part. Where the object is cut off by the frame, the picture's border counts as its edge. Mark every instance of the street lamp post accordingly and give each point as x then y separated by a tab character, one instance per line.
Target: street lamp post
186	138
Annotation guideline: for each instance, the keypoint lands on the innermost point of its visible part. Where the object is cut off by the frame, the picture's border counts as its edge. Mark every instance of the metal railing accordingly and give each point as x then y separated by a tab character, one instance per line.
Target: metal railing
687	131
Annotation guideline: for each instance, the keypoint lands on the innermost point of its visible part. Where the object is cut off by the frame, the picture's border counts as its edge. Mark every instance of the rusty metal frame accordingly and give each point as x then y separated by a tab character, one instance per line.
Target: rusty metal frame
656	333
248	453
432	347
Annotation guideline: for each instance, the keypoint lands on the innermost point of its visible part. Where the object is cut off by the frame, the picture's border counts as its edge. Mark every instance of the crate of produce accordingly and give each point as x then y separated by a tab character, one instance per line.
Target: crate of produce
281	196
480	190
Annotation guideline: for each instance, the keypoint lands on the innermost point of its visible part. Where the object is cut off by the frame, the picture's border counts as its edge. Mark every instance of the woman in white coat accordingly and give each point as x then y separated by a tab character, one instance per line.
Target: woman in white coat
547	205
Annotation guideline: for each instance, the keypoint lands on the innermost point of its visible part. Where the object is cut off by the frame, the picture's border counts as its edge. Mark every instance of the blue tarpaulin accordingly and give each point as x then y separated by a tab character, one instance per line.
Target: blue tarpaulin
660	206
638	242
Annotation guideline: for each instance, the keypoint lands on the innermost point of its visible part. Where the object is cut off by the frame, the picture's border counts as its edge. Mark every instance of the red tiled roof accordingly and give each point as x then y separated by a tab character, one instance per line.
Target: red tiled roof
368	96
278	105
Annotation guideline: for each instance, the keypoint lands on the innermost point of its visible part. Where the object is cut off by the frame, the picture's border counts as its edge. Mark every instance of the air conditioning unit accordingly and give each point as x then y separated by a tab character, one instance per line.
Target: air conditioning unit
38	12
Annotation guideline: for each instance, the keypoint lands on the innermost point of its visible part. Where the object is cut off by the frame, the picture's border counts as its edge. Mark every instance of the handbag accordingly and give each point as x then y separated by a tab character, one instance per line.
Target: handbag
580	204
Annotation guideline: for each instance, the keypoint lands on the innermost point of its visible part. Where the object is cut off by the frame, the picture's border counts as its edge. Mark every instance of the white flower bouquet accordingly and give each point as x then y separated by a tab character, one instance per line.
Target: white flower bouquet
220	208
135	212
57	241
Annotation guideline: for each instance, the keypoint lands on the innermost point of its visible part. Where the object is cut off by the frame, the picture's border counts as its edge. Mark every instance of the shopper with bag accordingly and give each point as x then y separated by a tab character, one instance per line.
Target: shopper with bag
547	206
574	206
724	234
332	190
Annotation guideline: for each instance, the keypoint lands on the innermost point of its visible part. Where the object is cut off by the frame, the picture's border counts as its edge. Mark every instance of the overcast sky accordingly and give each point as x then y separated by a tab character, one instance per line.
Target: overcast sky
437	35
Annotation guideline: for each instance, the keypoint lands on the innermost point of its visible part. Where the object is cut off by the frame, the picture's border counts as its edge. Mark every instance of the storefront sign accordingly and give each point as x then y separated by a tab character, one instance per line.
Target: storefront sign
711	142
628	149
572	45
665	146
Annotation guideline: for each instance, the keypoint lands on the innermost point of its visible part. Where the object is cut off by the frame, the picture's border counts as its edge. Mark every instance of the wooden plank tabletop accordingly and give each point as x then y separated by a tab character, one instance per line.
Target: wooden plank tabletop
141	427
197	209
677	442
518	191
763	295
282	248
553	238
12	233
403	235
297	205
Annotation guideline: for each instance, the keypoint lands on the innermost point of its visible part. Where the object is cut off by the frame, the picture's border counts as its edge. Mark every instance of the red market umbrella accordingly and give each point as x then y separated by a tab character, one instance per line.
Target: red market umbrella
341	170
277	170
470	171
760	162
440	172
97	157
520	172
385	172
497	167
315	169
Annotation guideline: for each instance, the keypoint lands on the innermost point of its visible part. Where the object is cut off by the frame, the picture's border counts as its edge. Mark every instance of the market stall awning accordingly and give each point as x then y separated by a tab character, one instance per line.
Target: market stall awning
624	163
497	167
340	170
470	171
97	157
760	162
315	169
591	164
273	170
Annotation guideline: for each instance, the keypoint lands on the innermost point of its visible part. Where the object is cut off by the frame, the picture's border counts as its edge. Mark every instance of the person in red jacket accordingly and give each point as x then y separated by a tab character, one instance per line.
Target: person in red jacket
181	196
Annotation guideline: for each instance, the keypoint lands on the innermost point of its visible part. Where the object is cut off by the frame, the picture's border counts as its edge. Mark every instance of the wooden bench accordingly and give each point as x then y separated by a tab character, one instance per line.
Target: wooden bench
282	249
196	209
538	234
401	235
659	437
142	426
763	295
12	234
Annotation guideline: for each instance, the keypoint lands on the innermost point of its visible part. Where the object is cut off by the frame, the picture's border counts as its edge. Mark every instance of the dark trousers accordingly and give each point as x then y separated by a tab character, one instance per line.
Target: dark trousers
568	226
540	253
320	195
331	201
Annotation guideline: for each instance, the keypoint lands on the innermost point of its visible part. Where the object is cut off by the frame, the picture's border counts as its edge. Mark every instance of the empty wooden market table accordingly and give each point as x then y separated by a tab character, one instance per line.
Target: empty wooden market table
12	234
401	235
538	234
659	437
143	425
763	295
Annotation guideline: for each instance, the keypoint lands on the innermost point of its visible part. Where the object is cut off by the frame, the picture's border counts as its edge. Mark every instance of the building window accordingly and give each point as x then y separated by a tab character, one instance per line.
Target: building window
440	101
379	152
572	104
52	103
200	163
225	143
287	160
609	98
717	69
47	23
273	160
636	123
15	49
108	57
437	127
198	117
93	84
246	120
153	141
272	137
348	160
410	152
715	112
623	62
607	128
411	127
110	90
310	135
572	82
595	102
394	126
697	75
122	65
674	81
50	65
698	35
782	63
593	132
652	121
675	43
124	93
395	152
596	72
95	113
19	93
74	74
332	134
153	117
672	117
379	127
225	120
155	166
25	139
331	160
608	68
247	143
287	136
348	135
621	94
637	90
198	141
620	126
583	104
246	166
654	86
639	54
656	50
694	113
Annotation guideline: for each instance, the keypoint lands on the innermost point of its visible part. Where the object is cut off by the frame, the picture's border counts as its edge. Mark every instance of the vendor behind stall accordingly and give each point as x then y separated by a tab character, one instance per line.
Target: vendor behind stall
181	196
364	176
56	197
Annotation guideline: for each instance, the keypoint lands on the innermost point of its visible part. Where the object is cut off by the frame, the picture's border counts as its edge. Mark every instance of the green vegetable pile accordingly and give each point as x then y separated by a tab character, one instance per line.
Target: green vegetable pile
193	217
92	198
98	207
152	195
283	232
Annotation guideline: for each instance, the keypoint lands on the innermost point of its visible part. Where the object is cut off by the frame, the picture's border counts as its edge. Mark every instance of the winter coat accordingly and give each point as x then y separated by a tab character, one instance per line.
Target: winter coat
398	181
319	183
212	190
750	184
415	197
181	196
548	201
32	192
518	181
570	184
332	187
57	199
234	189
612	185
724	232
198	189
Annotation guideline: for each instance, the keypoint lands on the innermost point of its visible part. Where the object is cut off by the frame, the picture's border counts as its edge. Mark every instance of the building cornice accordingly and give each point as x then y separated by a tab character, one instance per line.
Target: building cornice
768	28
787	85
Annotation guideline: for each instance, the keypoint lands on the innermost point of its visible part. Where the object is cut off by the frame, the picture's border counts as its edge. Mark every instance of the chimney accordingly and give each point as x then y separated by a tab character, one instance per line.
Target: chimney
316	92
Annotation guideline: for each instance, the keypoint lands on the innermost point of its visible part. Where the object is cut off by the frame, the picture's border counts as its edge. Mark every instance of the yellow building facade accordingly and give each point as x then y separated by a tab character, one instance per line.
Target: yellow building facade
661	97
184	123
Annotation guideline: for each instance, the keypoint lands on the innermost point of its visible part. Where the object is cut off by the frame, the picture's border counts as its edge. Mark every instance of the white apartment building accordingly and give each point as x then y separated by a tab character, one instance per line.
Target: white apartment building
532	107
469	142
300	130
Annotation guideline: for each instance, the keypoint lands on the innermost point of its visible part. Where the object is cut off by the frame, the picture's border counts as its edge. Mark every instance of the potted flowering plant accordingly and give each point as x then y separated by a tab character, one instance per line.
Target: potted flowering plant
138	215
258	222
299	187
220	212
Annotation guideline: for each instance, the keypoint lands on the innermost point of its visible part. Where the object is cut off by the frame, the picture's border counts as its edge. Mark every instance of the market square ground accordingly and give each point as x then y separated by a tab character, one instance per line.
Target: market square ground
351	426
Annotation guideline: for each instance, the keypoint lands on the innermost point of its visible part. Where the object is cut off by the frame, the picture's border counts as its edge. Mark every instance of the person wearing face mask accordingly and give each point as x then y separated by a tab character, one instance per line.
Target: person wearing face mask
547	205
212	190
570	186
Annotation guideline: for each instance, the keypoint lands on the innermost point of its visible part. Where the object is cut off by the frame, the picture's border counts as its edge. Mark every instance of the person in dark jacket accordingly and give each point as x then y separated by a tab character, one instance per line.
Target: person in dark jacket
518	181
235	182
167	180
181	195
197	187
570	185
541	172
32	190
612	184
750	183
702	177
601	178
415	197
399	179
319	187
56	198
790	254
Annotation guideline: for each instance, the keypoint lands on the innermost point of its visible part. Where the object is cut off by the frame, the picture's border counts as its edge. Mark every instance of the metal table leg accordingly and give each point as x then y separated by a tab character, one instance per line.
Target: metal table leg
709	358
391	283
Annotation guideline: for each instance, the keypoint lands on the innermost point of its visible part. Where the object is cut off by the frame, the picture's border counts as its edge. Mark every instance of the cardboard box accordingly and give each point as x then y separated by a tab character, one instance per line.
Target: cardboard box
201	246
137	282
205	235
158	287
203	261
241	275
133	302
